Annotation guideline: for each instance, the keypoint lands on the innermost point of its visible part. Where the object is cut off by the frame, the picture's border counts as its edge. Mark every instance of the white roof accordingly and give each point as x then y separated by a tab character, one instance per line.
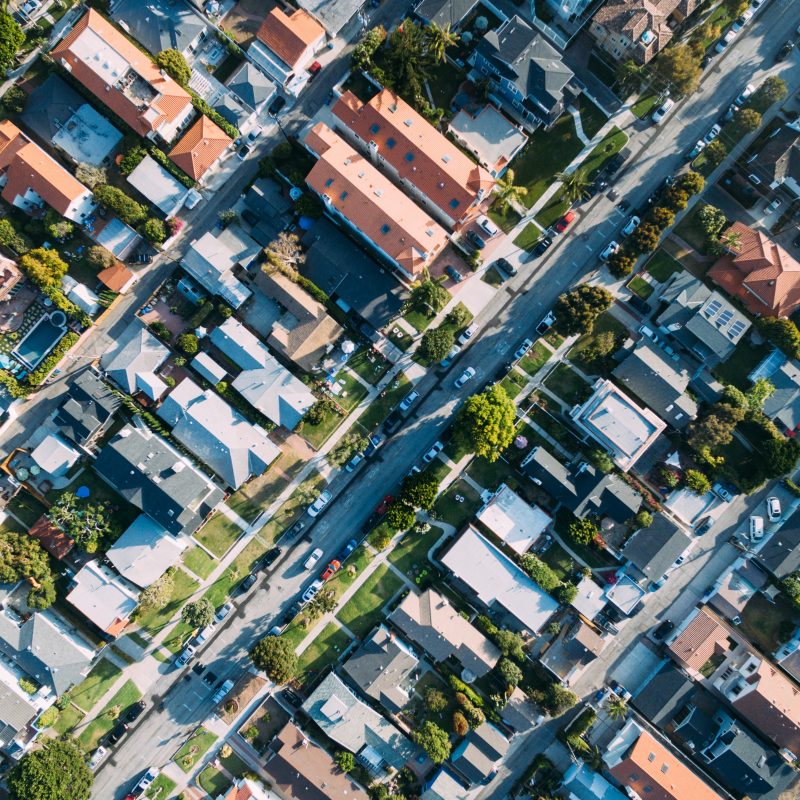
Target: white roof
86	300
132	363
87	136
208	368
54	455
445	787
158	186
117	237
590	600
102	596
495	578
333	15
512	520
211	261
489	135
625	594
241	346
276	393
144	552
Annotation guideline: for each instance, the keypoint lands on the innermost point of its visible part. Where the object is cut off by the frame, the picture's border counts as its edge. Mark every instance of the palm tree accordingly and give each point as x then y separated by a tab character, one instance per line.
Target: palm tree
617	708
732	240
573	184
507	193
439	38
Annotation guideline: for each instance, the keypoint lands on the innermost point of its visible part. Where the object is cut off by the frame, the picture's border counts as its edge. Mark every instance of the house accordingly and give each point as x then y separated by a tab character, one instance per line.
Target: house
376	211
519	714
342	717
780	554
527	77
443	785
444	12
645	765
574	648
161	25
589	600
54	456
759	272
200	148
245	789
778	162
117	72
653	550
103	597
17	718
87	409
659	382
118	238
211	262
489	136
285	45
158	480
497	581
207	368
716	656
478	754
430	621
701	320
384	668
582	489
10	276
31	179
251	87
244	248
625	594
305	332
263	382
783	405
232	110
266	199
51	538
736	587
619	425
302	770
132	364
514	522
583	783
152	181
402	143
219	436
117	278
637	29
334	15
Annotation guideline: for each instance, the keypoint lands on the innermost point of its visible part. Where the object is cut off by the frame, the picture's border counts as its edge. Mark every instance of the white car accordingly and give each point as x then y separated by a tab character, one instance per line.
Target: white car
468	333
467	375
712	134
523	348
223	612
145	781
316	507
312	591
773	206
774	511
97	757
354	462
756	528
315	556
254	134
408	401
746	92
609	251
487	226
433	452
632	225
186	656
698	148
725	41
662	111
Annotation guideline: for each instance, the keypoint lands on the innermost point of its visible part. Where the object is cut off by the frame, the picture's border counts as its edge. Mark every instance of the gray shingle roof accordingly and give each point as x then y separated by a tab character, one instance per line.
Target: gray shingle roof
87	407
653	550
159	24
444	12
476	756
50	106
784	403
251	85
781	552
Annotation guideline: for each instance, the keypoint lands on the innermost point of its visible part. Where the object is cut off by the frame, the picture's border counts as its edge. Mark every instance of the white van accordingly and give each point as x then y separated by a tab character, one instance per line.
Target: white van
756	528
488	226
663	110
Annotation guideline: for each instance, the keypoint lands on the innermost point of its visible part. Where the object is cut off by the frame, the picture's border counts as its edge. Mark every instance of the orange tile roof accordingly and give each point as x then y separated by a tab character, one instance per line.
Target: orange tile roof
381	211
420	154
200	147
652	771
289	36
171	100
702	637
761	273
51	537
116	277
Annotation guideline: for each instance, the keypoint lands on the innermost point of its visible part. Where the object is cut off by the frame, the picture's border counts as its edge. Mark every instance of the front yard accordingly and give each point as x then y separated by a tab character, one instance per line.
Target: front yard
218	534
380	407
115	709
411	553
535	358
661	265
458	504
327	647
568	385
155	620
194	749
364	609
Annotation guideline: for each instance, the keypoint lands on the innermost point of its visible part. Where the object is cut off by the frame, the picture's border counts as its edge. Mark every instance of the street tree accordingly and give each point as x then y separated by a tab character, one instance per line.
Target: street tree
747	120
436	343
691	182
574	185
621	263
715	153
630	76
174	64
486	422
459	315
275	655
662	217
56	770
401	516
577	309
419	490
773	90
679	66
433	740
11	39
198	613
645	238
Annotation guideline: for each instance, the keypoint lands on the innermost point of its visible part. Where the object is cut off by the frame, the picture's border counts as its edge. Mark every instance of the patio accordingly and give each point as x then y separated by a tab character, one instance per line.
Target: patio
19	312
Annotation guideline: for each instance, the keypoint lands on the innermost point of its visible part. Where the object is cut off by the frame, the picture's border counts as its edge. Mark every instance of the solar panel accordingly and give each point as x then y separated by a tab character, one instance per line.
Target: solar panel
724	318
736	329
712	308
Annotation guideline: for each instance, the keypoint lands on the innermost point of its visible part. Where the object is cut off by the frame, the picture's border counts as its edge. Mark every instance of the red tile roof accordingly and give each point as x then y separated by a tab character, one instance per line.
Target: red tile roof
171	100
704	636
761	273
10	276
51	537
421	155
200	147
116	277
289	36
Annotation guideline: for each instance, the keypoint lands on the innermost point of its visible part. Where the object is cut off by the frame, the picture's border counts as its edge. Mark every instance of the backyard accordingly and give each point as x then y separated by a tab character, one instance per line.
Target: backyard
365	608
458	504
744	359
769	623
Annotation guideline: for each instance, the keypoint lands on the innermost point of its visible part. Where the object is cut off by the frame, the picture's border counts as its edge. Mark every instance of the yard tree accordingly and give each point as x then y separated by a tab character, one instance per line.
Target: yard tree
409	63
56	226
691	182
23	558
14	99
460	724
187	343
227	217
126	208
577	310
662	217
679	66
507	193
621	263
645	237
780	456
401	516
747	120
773	90
696	481
174	64
759	393
436	343
44	267
574	185
154	230
285	250
433	740
583	531
540	572
89	524
345	760
559	699
11	39
509	672
419	490
791	586
55	771
716	428
365	49
565	593
429	297
630	75
510	644
276	656
616	707
644	519
712	220
783	333
735	7
459	315
600	348
715	153
198	613
158	593
99	257
435	700
437	39
601	460
486	421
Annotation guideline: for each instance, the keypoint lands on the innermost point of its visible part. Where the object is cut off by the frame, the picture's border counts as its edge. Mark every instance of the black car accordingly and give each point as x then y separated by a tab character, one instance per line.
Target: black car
663	630
271	557
506	266
393	422
616	161
542	246
476	240
117	732
209	678
454	273
276	105
250	217
243	152
784	52
135	711
248	582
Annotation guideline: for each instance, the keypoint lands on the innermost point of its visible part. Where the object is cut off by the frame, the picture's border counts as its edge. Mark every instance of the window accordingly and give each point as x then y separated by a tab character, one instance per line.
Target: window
385	229
343	196
390	143
374	128
454	203
409	157
651	757
329	182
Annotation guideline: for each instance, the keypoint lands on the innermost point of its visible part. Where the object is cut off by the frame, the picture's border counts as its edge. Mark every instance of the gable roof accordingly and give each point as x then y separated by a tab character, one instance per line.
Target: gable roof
444	12
289	35
783	405
200	147
210	261
89	404
251	86
780	553
276	393
103	597
477	754
779	158
159	24
133	362
653	550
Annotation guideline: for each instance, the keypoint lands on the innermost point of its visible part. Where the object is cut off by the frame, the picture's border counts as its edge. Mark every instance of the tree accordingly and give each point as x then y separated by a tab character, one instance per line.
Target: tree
228	217
783	333
747	120
791	586
429	297
401	516
276	656
540	572
409	62
487	422
759	393
780	456
56	226
345	760
510	644
14	99
187	343
100	257
157	594
644	519
565	593
433	740
583	531
55	771
621	263
573	184
198	613
506	192
645	237
89	524
577	310
715	153
365	49
509	672
616	707
679	65
676	198
712	220
735	7
716	428
558	699
419	490
773	90
154	230
127	209
10	238
601	460
285	251
90	175
44	267
459	315
629	76
691	182
460	724
435	700
600	347
436	343
731	241
662	217
174	64
696	481
23	558
11	39
437	39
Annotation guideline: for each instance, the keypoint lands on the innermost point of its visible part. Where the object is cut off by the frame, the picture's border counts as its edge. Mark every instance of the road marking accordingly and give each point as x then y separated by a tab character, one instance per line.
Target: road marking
590	248
502	347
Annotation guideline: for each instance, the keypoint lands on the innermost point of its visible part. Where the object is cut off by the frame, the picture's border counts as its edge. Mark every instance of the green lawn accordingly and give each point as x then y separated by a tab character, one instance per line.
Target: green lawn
505	219
365	608
418	319
353	391
492	277
661	265
690	230
535	358
489	474
604	323
103	675
326	648
560	561
380	407
745	358
528	236
161	787
412	550
100	492
444	82
154	620
456	513
194	749
199	562
645	105
317	435
556	207
640	287
769	624
26	508
611	144
303	495
213	782
592	117
455	450
554	338
259	493
67	720
370	370
104	722
218	534
513	383
568	385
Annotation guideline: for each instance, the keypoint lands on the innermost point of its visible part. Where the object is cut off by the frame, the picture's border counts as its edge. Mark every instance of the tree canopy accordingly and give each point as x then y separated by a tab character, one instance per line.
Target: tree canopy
199	613
158	593
486	421
783	333
174	64
44	267
23	558
419	490
11	39
55	771
433	740
436	343
577	310
680	66
276	656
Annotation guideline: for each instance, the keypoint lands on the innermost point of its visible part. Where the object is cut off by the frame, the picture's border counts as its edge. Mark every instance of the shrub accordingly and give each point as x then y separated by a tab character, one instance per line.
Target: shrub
696	481
540	572
435	700
127	209
100	257
460	724
174	64
187	342
160	330
200	314
345	760
132	159
14	99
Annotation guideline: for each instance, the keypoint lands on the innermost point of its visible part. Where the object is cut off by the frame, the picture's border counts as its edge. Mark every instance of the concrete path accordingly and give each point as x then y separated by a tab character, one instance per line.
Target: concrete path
576	115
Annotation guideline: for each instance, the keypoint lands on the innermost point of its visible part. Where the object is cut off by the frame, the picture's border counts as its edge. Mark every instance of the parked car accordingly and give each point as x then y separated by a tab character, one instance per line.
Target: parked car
312	591
785	51
663	630
314	70
723	43
254	134
504	265
631	225
271	557
222	691
703	526
409	400
773	206
311	561
617	160
243	152
698	148
722	491
712	133
565	222
276	105
135	711
316	507
475	240
97	757
453	273
393	422
354	462
467	375
619	690
223	611
331	569
433	452
384	504
143	784
525	345
755	528
487	226
746	92
611	248
185	656
742	20
728	115
117	732
451	354
375	441
546	323
663	110
542	246
774	511
650	334
468	333
348	548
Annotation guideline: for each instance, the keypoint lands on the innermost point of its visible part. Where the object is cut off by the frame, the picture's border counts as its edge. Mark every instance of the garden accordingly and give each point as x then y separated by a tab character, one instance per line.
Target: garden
193	750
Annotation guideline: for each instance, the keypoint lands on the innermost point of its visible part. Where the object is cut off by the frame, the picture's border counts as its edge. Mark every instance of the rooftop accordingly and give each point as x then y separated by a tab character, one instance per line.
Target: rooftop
512	520
132	364
159	24
210	261
653	550
780	554
333	14
200	147
103	597
477	755
290	36
158	186
490	136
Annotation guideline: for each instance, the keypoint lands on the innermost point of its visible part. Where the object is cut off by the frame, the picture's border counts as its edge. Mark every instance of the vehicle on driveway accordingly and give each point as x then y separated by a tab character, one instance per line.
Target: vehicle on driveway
611	248
755	528
703	526
525	345
504	265
487	226
409	400
276	105
433	452
663	630
475	240
314	70
774	511
467	375
542	246
453	273
723	491
311	561
316	507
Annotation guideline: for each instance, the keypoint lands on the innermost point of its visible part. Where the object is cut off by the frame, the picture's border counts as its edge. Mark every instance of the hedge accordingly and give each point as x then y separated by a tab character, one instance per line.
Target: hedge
173	169
204	108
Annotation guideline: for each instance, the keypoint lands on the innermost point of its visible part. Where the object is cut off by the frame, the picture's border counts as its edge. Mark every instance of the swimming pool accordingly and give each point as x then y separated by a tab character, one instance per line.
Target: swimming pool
41	339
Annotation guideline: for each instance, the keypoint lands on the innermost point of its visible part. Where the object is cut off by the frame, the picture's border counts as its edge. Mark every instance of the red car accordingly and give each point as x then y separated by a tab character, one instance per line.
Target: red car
565	222
383	506
314	70
331	569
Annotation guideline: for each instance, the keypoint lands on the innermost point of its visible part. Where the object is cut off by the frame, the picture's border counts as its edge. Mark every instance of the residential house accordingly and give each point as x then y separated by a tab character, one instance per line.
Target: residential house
132	364
161	25
207	368
274	209
514	522
780	554
251	87
152	181
376	211
342	717
783	405
158	480
659	382
653	550
245	249
489	136
10	276
716	656
87	410
211	262
479	753
54	456
778	162
617	423
334	15
403	144
217	434
117	278
430	621
17	717
384	668
305	332
583	783
263	382
200	148
589	600
31	179
643	764
444	12
103	597
527	77
574	648
245	789
51	538
759	272
519	714
735	588
637	29
701	320
582	489
497	581
443	785
123	77
285	45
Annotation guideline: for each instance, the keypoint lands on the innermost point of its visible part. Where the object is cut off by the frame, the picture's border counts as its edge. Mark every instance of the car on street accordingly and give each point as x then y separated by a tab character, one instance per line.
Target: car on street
617	160
316	507
276	105
375	441
698	148
728	115
185	656
243	152
348	548
546	323
745	93
311	561
314	70
393	422
542	246
742	20
609	251
384	504
135	711
565	222
631	225
723	43
504	265
523	348
487	226
774	511
97	757
451	354
433	452
223	611
453	273
254	134
144	783
270	557
117	732
468	333
712	133
773	206
475	240
331	569
409	400
467	375
354	462
663	110
222	691
785	51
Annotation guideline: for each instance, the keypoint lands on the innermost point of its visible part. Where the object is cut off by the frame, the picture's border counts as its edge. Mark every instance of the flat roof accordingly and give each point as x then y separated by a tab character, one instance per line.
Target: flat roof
589	600
490	135
332	14
625	594
158	186
88	137
512	520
